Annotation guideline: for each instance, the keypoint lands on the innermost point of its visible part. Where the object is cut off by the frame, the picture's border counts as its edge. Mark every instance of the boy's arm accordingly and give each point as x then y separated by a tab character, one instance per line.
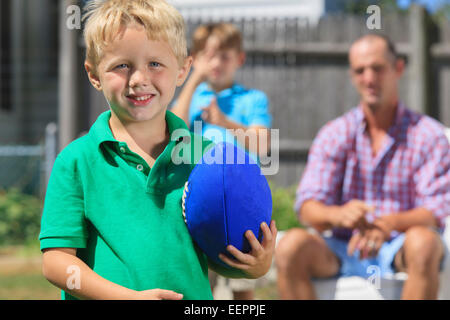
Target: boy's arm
181	108
59	264
198	75
254	138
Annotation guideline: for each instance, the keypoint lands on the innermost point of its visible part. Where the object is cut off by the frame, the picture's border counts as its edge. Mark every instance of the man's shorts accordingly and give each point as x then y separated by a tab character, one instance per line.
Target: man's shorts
384	261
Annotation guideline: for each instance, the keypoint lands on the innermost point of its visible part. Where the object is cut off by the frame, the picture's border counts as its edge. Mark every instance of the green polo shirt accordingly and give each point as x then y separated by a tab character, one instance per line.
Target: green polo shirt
124	217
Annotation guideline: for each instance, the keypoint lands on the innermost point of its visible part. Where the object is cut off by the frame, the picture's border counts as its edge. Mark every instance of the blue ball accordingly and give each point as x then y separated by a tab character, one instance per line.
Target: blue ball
226	195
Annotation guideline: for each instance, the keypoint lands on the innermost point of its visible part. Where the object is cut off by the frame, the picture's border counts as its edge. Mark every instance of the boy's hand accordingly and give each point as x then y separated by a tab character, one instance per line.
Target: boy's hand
202	64
257	262
157	294
212	114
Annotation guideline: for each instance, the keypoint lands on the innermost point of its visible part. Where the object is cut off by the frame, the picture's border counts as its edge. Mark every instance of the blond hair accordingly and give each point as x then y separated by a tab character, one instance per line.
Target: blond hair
227	34
105	19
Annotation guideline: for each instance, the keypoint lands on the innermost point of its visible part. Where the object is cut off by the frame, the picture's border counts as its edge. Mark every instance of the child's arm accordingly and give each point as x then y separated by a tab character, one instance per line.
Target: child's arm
255	139
198	75
58	263
257	262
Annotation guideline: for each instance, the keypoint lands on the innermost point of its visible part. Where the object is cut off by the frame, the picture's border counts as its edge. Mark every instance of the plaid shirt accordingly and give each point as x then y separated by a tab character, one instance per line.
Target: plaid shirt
411	169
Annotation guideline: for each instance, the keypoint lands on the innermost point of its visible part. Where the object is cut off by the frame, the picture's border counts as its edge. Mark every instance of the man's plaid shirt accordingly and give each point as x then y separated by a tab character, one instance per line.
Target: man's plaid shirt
411	170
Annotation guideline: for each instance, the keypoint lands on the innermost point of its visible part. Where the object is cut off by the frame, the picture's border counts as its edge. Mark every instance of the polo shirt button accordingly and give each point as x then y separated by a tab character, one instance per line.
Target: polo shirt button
140	167
122	149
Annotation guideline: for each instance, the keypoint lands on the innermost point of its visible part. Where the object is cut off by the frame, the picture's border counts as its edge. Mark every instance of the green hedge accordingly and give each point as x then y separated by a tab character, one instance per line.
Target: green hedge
283	207
20	216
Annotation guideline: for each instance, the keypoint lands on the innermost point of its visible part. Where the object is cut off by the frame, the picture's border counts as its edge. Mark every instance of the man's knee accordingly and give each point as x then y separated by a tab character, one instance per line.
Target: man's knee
423	249
291	247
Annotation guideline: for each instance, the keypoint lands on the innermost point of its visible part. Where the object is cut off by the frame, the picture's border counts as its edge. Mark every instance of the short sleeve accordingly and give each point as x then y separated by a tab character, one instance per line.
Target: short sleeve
433	179
260	111
63	220
324	172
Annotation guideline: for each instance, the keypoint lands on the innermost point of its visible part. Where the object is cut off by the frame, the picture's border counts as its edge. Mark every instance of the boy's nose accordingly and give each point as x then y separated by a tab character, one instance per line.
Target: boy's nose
139	78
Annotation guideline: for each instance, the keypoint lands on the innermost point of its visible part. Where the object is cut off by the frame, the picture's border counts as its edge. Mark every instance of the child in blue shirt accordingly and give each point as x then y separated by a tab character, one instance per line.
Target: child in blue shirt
224	109
214	105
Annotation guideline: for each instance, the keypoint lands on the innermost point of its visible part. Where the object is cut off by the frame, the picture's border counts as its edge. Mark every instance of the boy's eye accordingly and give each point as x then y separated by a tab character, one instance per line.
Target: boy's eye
155	64
121	66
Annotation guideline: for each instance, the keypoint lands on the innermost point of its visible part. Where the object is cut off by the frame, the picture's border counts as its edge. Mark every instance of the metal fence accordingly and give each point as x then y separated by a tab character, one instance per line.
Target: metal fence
27	167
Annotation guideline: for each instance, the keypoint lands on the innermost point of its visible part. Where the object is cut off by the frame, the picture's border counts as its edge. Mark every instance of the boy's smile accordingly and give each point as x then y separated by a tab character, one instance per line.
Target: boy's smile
138	76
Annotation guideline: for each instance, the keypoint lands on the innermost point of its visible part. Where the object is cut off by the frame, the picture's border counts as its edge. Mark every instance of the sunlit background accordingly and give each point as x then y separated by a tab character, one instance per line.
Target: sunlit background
296	53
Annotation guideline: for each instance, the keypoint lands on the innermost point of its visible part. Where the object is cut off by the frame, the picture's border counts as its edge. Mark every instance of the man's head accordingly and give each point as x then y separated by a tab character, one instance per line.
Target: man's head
135	54
375	70
223	43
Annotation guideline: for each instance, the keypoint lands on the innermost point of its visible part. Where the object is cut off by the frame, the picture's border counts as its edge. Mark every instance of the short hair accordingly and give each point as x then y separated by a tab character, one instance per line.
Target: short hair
228	35
106	18
391	50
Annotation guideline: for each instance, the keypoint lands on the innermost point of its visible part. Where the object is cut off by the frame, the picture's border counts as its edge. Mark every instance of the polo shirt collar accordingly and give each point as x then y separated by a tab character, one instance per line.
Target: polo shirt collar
101	131
236	87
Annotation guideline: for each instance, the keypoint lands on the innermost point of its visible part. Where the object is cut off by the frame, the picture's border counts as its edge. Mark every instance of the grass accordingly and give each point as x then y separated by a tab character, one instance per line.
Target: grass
21	276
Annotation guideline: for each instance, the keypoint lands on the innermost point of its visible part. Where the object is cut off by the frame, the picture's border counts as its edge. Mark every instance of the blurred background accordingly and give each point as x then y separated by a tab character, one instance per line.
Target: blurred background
296	53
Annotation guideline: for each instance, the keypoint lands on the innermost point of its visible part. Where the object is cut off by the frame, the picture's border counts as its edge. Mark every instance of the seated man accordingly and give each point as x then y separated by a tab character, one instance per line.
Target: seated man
379	177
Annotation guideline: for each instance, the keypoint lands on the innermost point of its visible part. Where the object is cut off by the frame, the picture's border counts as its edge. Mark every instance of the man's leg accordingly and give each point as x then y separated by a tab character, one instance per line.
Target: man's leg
299	256
420	258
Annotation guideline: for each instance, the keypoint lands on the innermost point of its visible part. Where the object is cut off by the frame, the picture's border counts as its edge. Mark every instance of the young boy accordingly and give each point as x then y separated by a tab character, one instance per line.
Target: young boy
112	226
213	98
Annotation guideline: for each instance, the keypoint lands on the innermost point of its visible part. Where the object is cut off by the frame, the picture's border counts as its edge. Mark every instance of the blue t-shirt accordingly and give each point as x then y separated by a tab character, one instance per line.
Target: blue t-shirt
247	107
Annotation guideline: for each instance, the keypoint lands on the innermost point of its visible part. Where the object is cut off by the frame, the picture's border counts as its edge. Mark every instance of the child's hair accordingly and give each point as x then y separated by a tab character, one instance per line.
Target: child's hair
106	18
228	35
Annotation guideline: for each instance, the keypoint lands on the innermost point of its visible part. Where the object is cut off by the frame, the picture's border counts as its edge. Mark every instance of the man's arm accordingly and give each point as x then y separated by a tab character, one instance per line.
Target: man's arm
369	240
402	221
56	263
322	217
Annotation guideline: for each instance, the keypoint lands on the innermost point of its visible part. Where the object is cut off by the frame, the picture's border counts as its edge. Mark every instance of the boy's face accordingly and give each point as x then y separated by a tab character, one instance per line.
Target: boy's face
138	76
223	64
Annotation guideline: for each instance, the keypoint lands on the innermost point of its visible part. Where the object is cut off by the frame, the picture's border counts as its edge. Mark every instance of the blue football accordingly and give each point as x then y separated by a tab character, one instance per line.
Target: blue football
226	194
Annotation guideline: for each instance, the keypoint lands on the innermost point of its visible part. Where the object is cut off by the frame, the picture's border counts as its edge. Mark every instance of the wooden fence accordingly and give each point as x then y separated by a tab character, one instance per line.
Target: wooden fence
304	71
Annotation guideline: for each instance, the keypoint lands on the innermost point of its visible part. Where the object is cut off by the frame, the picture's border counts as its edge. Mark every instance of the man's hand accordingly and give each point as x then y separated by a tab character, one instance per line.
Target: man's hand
386	224
368	242
257	262
352	215
212	114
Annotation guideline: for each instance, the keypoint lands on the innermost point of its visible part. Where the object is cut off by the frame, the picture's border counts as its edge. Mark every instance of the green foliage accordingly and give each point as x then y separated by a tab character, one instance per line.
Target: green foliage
20	216
283	207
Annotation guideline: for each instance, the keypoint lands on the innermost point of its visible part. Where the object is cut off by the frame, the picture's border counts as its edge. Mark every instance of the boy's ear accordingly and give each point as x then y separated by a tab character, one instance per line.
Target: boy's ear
183	72
93	78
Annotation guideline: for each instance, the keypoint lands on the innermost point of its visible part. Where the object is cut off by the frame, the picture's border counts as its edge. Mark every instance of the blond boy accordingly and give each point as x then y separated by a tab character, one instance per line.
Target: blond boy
112	226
